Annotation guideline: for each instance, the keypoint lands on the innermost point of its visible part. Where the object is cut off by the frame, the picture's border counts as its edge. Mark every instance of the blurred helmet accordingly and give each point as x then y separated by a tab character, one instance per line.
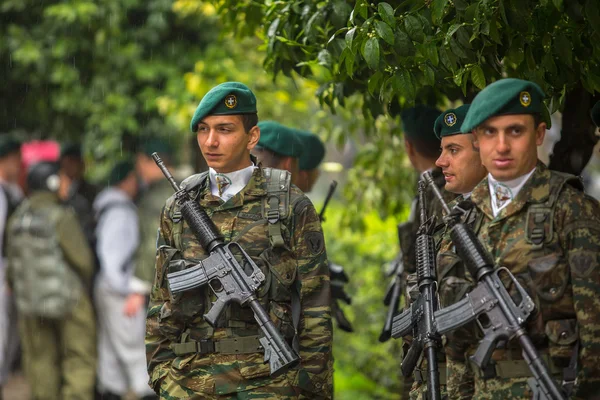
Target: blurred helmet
43	176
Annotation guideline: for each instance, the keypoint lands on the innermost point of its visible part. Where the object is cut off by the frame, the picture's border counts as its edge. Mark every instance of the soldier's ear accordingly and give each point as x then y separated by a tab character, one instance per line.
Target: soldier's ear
253	137
540	133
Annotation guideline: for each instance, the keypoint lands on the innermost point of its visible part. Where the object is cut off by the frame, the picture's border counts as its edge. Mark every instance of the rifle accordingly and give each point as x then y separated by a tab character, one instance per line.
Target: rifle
418	319
229	280
330	192
491	305
394	290
338	277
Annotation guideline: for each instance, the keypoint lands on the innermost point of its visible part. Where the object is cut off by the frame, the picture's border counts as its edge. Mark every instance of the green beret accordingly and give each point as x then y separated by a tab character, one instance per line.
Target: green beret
449	122
596	114
418	121
70	150
229	98
8	145
158	145
120	171
504	97
279	139
314	150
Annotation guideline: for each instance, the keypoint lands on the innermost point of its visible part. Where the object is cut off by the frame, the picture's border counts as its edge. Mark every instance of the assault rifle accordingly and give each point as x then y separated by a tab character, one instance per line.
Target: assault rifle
418	319
230	280
498	315
394	290
337	277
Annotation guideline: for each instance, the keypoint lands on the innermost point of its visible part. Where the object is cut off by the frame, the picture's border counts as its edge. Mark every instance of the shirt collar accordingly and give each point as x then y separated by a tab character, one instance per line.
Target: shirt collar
227	185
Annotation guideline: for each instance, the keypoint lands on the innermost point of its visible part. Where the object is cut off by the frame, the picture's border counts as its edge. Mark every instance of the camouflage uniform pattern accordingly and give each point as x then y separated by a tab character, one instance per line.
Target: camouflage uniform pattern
561	275
149	208
302	267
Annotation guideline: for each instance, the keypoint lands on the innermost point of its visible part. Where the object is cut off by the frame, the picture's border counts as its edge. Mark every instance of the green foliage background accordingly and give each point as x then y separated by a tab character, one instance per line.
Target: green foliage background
364	368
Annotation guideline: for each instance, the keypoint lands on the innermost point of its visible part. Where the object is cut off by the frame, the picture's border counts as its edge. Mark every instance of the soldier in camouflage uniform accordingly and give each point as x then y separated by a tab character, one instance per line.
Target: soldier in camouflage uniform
155	189
539	225
423	149
187	357
462	169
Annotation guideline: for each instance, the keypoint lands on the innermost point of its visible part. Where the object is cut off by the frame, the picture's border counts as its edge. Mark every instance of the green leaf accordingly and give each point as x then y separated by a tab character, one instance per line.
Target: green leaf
515	54
374	82
404	46
437	10
457	49
431	52
451	31
414	28
458	77
350	38
349	64
324	58
387	13
592	12
563	48
384	31
371	52
273	28
478	77
530	59
428	74
361	8
402	84
463	37
558	4
446	60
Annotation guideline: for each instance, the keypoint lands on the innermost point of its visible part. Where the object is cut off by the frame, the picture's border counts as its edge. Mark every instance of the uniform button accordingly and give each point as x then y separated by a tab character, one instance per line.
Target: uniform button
318	385
563	335
553	290
287	276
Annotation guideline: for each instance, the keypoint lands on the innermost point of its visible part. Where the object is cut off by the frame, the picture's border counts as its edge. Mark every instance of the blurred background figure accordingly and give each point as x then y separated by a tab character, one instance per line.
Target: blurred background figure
77	192
120	297
310	160
10	197
50	269
155	190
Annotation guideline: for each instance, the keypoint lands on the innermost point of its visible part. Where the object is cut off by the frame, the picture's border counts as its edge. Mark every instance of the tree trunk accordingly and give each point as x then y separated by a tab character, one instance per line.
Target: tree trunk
578	135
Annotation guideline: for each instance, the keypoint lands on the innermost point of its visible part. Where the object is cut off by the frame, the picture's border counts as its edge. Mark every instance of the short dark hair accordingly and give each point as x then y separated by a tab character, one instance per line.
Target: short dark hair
537	119
249	121
427	148
266	157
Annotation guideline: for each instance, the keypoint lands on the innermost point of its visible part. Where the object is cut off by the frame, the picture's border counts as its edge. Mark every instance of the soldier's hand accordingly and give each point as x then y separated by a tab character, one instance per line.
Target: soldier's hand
133	304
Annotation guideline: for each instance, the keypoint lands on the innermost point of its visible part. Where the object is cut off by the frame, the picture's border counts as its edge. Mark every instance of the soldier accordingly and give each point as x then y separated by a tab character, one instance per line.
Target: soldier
281	147
187	357
151	200
120	297
10	197
50	271
462	169
309	160
539	225
278	147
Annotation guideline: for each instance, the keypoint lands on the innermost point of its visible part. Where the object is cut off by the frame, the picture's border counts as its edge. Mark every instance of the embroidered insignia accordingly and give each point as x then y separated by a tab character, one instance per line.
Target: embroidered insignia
502	194
525	99
230	101
450	119
223	183
314	242
583	262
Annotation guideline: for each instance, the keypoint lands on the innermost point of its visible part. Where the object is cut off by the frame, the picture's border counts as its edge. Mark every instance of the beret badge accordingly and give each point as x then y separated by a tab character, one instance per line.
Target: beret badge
450	119
230	101
525	99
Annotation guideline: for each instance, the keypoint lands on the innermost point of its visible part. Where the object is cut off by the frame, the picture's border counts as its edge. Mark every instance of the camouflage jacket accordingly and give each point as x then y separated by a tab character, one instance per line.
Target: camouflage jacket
549	238
302	267
149	208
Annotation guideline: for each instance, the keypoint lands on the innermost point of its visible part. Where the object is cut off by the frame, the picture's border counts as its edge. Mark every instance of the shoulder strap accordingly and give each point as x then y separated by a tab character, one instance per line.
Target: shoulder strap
275	205
540	216
193	183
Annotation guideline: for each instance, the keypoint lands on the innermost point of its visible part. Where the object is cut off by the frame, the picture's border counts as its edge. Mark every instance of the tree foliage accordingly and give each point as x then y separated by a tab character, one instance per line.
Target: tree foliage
397	54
